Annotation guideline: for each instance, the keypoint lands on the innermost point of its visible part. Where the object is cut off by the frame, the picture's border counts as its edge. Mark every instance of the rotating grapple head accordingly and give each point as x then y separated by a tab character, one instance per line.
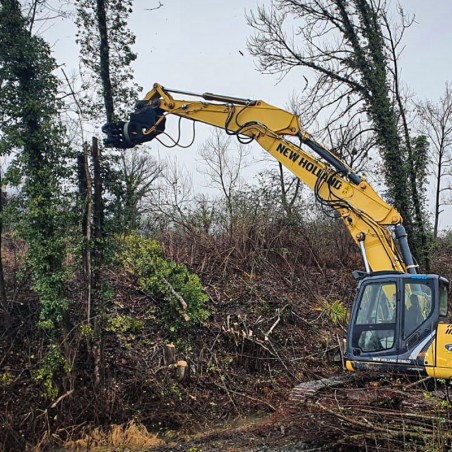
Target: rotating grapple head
128	134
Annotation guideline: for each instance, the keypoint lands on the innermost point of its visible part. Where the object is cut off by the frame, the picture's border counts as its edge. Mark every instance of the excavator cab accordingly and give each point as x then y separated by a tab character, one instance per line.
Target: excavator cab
397	322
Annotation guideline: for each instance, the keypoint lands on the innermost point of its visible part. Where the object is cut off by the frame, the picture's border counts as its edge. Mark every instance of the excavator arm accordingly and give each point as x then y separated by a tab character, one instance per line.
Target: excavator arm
363	211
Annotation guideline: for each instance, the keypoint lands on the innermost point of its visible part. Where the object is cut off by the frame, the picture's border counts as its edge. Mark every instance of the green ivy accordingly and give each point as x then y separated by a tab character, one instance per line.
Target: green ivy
52	364
121	324
30	126
6	379
160	278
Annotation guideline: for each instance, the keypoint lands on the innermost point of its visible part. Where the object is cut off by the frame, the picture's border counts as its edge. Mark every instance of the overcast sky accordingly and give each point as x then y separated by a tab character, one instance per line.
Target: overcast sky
197	45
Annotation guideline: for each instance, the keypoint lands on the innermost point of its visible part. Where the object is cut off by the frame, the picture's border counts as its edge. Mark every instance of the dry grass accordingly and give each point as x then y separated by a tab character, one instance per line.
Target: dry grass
131	436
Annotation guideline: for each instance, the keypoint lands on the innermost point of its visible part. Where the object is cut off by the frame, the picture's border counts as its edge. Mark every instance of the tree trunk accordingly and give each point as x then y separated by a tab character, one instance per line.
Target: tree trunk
98	253
287	203
105	60
98	210
169	354
86	192
437	199
6	320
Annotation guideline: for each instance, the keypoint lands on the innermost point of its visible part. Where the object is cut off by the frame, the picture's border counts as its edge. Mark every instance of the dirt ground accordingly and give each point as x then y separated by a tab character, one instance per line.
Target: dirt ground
379	414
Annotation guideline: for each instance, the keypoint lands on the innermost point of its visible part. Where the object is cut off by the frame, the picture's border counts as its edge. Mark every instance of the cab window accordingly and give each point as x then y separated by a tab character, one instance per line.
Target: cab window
417	307
376	318
378	304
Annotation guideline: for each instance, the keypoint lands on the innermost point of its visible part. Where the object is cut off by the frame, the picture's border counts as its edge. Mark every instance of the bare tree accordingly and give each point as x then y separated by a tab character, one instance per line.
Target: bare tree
172	200
349	137
139	173
223	166
436	124
40	13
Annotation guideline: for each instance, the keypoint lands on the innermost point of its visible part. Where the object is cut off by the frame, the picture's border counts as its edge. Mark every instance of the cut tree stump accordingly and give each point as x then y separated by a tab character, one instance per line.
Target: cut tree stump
169	354
181	370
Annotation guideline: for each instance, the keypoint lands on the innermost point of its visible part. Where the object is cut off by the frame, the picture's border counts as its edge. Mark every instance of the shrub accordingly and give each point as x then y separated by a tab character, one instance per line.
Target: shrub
164	280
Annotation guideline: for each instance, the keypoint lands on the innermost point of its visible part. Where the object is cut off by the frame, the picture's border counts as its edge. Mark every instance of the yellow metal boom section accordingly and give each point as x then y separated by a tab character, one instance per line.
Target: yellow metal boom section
362	210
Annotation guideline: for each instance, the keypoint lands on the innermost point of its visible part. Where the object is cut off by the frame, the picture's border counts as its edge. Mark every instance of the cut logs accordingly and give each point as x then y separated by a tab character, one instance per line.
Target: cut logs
180	370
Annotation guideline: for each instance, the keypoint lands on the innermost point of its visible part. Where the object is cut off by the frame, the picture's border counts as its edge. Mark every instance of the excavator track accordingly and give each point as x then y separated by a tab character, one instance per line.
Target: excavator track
307	390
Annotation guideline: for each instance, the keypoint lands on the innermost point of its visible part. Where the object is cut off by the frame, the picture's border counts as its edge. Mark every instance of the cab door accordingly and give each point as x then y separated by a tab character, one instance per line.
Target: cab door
374	325
418	320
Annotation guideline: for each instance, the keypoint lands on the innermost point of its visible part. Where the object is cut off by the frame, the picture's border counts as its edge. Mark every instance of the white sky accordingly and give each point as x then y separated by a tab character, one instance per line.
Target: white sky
194	45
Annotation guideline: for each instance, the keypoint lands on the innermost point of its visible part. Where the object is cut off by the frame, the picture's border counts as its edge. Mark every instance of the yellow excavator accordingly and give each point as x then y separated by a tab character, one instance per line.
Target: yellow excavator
398	319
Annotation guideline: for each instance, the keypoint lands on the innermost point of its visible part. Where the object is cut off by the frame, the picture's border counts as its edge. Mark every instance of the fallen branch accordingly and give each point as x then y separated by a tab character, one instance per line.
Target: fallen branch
272	328
253	398
399	414
244	395
385	431
182	302
418	382
57	401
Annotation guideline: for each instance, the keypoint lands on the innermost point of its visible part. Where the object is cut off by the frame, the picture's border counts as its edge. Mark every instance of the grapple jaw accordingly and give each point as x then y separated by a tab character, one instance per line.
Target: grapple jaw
129	134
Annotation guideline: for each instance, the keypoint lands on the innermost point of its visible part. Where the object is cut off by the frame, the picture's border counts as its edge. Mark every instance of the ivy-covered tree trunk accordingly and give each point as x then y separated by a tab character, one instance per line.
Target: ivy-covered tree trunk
102	26
31	128
5	317
105	45
104	51
29	103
